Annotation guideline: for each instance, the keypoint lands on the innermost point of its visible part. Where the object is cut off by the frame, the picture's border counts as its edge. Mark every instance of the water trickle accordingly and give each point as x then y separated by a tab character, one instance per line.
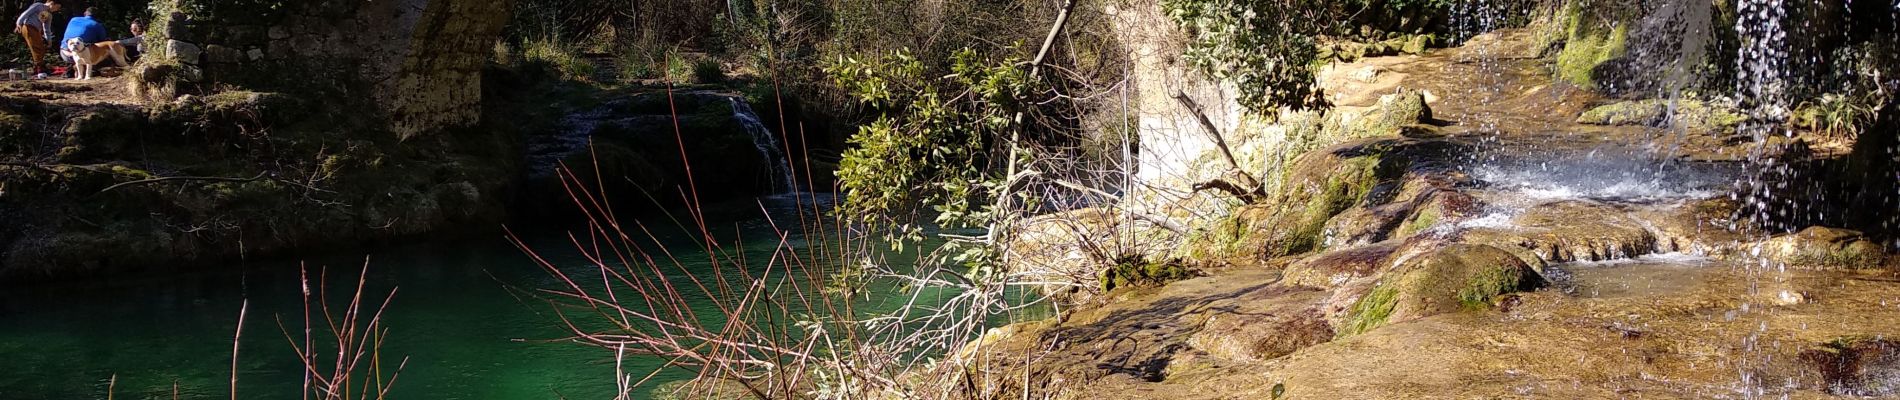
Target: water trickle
768	146
1762	63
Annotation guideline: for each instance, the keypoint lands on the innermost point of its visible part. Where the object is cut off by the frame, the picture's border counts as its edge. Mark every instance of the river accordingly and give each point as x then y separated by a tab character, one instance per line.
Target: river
463	314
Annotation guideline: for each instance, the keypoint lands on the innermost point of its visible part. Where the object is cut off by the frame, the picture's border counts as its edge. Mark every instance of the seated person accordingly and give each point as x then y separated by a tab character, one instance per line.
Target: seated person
134	45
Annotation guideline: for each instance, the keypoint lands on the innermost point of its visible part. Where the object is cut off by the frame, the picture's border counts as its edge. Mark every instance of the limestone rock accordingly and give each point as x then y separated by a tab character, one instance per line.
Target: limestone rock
1823	247
1338	267
1263	335
1436	280
183	52
1573	230
1689	114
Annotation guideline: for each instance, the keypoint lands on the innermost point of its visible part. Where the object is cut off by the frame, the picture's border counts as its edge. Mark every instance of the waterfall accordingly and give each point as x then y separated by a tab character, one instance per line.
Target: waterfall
1762	62
768	146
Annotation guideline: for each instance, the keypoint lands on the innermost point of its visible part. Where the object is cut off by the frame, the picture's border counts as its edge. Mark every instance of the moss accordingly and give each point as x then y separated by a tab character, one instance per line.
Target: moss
1861	254
1135	271
1370	311
1420	221
1587	48
1488	283
1417	44
1389	117
1344	188
1451	279
1687	113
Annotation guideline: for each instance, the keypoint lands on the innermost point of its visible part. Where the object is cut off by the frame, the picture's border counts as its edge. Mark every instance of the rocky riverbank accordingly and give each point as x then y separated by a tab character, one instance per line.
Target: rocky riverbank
1467	225
94	181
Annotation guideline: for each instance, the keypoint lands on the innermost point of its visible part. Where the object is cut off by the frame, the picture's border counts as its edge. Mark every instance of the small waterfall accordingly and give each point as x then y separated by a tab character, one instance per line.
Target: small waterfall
768	146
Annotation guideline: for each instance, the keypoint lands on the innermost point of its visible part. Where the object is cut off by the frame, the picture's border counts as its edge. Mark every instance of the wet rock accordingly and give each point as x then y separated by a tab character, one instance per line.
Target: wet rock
1689	114
1699	227
1573	230
1399	219
1857	366
1437	280
1256	337
1335	268
1823	247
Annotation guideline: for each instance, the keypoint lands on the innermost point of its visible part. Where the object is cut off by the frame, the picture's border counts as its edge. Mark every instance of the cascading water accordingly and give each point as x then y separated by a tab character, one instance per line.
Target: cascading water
1761	72
768	146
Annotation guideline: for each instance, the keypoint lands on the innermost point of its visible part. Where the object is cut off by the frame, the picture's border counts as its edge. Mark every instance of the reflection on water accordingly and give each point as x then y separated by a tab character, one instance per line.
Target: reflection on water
461	314
1646	276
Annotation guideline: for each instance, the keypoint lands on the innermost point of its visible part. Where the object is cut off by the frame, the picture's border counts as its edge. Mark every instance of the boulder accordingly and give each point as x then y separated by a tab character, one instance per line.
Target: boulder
1437	279
1281	329
1681	113
1823	247
1571	230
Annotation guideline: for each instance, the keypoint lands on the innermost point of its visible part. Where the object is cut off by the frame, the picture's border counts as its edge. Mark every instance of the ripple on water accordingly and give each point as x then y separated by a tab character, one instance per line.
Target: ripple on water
1645	276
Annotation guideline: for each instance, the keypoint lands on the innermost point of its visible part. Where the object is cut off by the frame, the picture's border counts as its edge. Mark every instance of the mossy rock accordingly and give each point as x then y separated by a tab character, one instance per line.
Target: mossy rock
1417	44
1589	42
15	137
1857	366
1687	114
1826	248
1135	271
1456	277
100	131
1390	117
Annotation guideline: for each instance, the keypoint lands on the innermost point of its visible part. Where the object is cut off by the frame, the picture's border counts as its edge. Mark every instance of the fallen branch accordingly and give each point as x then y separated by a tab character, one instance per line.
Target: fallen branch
1220	142
37	166
260	176
1222	185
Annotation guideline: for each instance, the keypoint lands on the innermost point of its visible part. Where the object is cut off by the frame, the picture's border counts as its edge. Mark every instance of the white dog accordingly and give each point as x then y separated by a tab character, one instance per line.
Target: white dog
87	57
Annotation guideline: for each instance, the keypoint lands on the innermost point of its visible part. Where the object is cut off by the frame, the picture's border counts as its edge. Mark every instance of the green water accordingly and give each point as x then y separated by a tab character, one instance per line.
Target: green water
460	315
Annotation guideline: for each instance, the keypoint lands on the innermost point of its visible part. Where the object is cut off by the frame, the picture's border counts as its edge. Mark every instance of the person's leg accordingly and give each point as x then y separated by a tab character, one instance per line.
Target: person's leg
35	45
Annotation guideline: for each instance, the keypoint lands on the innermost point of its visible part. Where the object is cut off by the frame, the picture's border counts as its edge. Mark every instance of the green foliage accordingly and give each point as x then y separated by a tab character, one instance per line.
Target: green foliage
564	60
1835	114
708	71
640	62
217	10
1263	47
934	147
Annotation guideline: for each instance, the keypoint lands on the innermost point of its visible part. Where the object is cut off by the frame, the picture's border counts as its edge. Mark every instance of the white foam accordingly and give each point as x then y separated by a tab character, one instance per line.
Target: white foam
1672	258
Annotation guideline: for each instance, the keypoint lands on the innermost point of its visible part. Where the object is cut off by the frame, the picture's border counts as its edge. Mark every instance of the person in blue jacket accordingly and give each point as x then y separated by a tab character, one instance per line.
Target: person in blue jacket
88	31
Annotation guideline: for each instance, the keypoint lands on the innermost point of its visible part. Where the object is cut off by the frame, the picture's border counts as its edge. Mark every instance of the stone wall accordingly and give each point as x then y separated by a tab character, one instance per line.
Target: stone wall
418	62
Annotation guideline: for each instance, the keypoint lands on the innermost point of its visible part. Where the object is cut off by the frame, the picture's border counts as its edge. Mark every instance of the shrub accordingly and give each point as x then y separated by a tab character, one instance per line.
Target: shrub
678	69
565	60
1264	48
708	71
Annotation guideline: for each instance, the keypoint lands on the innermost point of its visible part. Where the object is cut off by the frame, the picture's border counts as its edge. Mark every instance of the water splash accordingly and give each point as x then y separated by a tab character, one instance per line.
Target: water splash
1762	72
768	146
